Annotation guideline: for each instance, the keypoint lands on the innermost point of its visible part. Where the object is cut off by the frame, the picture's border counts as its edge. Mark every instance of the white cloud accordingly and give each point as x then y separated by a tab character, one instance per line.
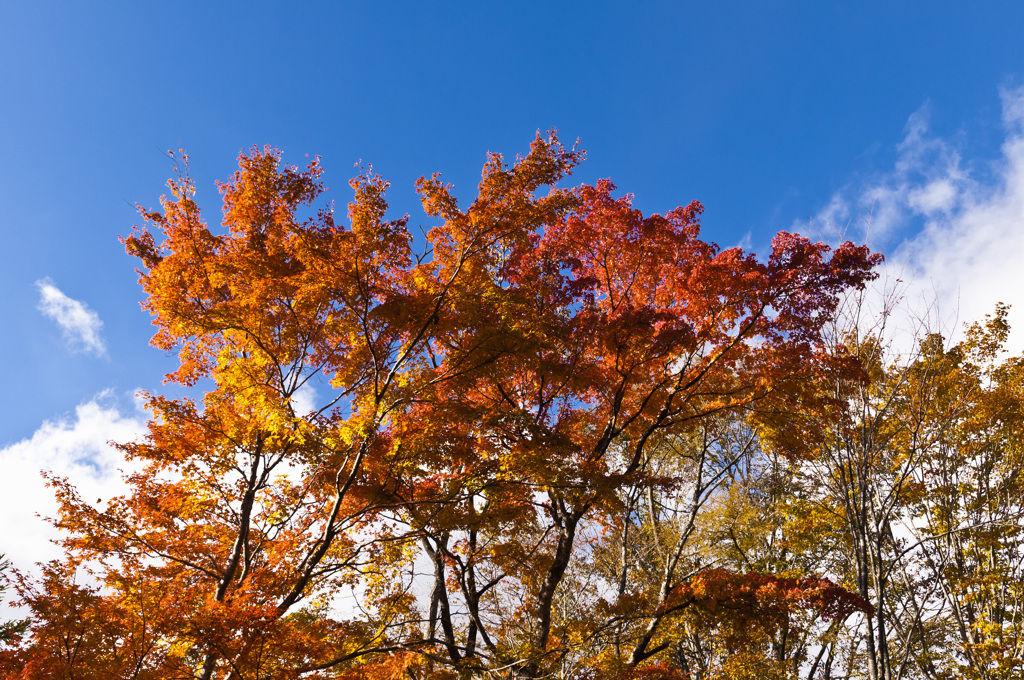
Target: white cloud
937	196
747	242
81	325
954	231
76	448
304	400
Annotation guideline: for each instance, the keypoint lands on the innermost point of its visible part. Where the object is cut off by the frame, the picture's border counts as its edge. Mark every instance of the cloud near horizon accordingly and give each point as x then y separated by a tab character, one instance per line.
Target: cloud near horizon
952	230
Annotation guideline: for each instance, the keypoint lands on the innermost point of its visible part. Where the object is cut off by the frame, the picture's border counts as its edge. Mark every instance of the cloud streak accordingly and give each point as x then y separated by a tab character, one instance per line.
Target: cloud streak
952	229
80	325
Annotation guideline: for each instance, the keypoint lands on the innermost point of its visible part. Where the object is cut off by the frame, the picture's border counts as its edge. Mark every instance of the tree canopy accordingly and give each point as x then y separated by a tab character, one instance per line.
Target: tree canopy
555	437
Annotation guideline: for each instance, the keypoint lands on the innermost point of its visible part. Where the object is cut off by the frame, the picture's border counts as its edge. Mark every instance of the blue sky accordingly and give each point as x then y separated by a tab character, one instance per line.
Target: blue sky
776	115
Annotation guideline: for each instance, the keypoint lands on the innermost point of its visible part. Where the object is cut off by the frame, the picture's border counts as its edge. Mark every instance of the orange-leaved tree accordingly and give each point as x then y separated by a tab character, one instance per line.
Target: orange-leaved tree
610	331
490	400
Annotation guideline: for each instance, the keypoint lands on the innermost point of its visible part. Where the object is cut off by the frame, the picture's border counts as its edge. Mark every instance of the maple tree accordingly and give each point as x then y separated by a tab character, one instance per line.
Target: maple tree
500	404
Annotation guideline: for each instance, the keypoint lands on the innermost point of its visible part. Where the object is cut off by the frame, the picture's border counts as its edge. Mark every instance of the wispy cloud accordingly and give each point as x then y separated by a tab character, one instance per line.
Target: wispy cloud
75	447
81	325
953	229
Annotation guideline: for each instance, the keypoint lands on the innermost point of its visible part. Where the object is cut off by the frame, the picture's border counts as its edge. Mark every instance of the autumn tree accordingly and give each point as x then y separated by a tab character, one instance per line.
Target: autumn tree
909	461
765	519
617	330
497	408
965	499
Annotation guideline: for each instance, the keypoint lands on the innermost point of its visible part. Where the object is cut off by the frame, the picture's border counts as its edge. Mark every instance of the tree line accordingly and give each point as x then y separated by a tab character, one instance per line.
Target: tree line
555	438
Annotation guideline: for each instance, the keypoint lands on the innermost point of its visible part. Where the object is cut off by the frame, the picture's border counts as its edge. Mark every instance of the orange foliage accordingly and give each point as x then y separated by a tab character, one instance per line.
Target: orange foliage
486	398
